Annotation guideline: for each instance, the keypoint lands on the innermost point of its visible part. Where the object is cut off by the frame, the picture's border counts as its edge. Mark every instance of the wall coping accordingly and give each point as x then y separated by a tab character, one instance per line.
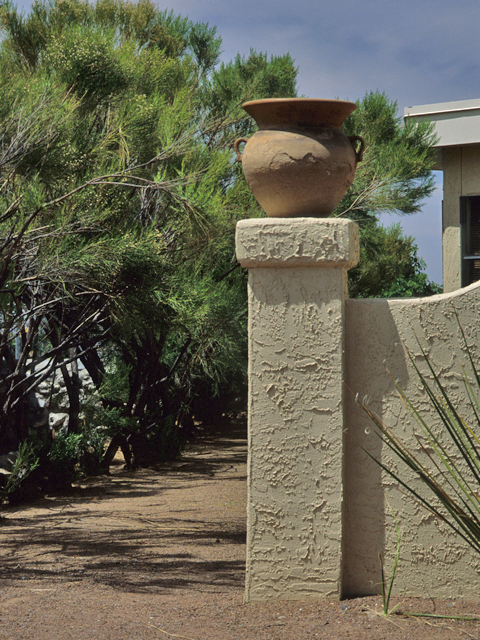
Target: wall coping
297	242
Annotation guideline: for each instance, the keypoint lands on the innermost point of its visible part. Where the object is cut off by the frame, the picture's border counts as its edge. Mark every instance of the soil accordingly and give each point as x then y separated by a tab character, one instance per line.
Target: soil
160	554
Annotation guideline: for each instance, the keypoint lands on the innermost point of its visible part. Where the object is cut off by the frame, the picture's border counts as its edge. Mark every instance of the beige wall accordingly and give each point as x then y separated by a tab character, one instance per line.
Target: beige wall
319	510
297	286
461	177
433	561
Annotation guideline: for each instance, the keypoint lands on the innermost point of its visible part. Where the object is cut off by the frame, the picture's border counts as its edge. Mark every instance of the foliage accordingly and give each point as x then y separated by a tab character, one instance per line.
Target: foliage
389	266
75	454
387	586
25	464
450	474
395	176
119	196
64	453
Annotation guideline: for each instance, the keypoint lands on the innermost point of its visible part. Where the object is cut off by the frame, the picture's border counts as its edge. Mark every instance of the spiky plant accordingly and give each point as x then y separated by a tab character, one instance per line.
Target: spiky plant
449	468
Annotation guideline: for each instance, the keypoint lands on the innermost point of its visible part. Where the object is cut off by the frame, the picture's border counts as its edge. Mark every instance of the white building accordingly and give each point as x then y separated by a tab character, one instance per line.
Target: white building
457	125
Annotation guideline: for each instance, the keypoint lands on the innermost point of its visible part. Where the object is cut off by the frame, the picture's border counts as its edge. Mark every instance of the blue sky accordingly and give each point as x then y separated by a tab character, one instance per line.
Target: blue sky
417	51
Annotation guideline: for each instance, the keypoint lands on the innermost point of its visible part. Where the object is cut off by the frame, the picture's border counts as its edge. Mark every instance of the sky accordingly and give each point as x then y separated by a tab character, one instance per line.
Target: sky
416	51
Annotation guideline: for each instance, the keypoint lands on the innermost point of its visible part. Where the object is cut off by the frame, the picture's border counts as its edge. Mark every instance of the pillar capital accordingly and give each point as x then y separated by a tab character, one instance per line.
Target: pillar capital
297	242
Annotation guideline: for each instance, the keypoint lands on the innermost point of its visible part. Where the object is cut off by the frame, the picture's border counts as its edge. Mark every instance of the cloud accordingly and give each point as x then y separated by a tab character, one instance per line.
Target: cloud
416	50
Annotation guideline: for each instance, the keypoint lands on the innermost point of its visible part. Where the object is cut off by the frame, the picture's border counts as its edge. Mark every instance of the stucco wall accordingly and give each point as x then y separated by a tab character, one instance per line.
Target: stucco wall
297	285
319	510
433	561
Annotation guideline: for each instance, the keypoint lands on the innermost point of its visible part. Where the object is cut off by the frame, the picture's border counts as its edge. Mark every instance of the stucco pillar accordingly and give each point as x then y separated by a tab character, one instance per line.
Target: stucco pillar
297	289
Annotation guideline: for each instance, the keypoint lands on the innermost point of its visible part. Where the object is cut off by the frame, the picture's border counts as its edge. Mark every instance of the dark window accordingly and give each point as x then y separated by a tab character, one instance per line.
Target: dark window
470	239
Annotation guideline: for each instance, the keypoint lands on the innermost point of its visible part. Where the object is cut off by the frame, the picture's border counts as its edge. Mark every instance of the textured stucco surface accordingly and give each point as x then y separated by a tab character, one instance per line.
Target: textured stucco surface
319	510
294	523
433	561
308	242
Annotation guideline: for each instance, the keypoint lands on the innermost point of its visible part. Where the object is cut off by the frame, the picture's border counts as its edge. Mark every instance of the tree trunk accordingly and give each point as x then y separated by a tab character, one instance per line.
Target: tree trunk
72	385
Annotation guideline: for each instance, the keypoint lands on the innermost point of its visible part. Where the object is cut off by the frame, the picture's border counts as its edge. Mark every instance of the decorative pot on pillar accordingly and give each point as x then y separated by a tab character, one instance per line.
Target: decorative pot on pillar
299	163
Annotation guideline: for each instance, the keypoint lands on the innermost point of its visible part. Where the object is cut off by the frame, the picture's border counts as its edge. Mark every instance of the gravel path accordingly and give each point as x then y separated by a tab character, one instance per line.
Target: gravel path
160	554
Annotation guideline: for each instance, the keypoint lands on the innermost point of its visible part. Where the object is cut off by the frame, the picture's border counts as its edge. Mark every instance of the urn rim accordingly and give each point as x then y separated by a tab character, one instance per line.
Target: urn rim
270	113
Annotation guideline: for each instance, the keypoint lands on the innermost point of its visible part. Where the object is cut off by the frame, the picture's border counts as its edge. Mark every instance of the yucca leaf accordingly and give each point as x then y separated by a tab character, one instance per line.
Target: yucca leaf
449	473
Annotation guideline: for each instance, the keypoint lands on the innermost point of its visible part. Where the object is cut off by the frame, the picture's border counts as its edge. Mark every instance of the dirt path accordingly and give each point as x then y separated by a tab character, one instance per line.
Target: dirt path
159	555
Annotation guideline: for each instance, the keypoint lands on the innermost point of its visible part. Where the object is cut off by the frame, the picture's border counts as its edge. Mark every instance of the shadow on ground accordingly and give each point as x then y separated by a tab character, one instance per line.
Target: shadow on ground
154	530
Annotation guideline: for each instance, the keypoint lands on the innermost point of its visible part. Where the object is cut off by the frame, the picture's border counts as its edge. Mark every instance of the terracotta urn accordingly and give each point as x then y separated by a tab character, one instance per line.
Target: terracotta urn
299	162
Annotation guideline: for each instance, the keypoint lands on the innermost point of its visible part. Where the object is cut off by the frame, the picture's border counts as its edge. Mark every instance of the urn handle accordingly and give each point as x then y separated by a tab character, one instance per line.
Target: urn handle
359	153
236	145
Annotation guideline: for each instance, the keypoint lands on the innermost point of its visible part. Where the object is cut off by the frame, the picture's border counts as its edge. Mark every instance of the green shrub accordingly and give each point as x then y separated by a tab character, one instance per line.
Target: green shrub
25	464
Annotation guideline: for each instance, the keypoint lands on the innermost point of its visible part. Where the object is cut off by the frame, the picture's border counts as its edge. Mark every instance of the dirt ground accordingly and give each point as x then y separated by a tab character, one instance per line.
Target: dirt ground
160	554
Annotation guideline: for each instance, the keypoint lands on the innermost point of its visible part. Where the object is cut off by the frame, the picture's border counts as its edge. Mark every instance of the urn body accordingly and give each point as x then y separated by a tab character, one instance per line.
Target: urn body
299	163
